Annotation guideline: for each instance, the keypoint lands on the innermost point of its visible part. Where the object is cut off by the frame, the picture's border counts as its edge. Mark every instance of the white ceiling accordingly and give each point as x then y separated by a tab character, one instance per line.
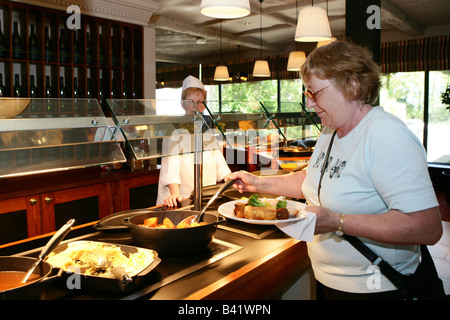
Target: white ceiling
180	27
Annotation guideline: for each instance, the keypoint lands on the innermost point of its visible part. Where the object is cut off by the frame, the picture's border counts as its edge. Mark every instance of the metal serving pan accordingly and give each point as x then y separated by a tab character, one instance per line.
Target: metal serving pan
110	284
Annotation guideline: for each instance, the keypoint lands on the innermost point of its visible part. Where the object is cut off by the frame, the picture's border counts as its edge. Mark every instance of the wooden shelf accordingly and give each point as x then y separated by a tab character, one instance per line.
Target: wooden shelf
123	74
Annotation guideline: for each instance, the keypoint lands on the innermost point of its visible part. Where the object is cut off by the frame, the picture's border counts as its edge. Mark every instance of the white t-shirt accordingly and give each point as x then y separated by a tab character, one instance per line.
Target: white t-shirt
378	166
180	169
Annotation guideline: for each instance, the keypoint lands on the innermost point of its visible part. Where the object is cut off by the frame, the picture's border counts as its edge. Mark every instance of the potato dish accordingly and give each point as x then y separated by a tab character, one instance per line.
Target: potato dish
152	222
79	257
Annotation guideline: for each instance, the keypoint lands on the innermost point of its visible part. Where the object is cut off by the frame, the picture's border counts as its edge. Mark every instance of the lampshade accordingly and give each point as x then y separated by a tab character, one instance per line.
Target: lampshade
312	25
324	43
261	69
221	74
225	9
296	60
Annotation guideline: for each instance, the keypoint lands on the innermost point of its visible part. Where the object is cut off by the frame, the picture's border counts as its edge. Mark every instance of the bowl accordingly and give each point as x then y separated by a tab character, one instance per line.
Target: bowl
11	107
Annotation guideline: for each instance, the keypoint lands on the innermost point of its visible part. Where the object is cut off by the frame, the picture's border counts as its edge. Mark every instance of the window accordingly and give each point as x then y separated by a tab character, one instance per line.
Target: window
403	94
438	144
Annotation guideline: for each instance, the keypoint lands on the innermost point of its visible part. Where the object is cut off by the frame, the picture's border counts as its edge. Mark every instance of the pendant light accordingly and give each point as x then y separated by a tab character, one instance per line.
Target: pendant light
225	9
312	25
325	42
296	58
261	68
221	72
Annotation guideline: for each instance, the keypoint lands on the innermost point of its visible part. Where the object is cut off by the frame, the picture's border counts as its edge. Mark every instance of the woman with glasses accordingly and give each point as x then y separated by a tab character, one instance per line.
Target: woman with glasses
368	177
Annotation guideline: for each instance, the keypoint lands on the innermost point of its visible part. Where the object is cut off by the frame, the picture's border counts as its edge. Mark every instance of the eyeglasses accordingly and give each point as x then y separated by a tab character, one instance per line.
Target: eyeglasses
312	95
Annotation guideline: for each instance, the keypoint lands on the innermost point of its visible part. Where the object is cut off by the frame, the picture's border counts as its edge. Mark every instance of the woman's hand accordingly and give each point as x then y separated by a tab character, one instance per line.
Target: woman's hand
245	182
326	219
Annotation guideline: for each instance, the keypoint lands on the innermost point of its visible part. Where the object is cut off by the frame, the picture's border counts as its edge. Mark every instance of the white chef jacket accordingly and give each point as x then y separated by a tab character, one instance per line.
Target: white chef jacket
180	169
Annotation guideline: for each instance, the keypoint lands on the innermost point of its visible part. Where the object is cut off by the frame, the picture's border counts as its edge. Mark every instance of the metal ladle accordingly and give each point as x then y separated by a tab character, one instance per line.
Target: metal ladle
198	218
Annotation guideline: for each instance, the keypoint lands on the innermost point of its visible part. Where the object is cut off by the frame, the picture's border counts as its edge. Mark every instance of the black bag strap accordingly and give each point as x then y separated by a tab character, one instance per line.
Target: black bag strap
393	275
322	172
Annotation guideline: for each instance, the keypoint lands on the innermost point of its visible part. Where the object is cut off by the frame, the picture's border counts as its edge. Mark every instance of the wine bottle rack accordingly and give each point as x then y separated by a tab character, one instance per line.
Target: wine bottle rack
107	63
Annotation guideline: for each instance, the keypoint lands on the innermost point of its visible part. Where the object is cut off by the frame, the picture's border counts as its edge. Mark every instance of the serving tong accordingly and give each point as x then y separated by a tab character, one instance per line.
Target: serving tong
198	218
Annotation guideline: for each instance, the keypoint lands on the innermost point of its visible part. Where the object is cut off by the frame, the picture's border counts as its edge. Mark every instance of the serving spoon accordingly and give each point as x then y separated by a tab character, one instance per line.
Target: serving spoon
52	243
198	218
100	263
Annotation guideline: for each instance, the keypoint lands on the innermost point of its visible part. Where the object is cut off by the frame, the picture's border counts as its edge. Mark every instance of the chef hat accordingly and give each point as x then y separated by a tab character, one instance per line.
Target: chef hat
192	82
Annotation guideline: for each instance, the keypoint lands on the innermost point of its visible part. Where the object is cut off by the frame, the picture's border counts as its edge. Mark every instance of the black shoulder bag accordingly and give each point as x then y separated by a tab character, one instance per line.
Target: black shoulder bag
423	284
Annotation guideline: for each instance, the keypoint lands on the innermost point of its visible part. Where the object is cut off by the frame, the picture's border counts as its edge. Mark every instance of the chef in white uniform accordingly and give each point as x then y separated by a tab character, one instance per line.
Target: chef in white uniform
176	177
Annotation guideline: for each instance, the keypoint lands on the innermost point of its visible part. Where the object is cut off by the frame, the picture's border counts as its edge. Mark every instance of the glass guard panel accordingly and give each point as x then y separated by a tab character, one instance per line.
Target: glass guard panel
43	135
258	127
158	128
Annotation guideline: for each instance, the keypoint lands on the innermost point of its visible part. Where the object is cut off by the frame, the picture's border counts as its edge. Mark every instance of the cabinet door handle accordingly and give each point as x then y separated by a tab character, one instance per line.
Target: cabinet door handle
48	199
33	201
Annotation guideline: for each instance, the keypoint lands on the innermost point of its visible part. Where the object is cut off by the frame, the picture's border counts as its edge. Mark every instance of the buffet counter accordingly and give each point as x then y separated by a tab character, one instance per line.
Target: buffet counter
243	262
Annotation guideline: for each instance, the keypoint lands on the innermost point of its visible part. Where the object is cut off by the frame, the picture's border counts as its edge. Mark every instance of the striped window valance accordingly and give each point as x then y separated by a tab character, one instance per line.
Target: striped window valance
425	54
403	56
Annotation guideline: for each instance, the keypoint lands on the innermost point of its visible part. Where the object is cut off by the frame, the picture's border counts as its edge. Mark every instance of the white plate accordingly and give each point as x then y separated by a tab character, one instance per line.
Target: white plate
227	208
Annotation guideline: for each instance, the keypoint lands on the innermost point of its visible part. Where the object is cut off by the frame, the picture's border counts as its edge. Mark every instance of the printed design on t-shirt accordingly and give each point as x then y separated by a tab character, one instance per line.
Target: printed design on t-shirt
336	168
318	160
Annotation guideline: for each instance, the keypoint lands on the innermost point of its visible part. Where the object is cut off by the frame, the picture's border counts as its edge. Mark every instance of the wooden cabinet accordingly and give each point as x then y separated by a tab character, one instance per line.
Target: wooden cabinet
102	59
139	192
35	214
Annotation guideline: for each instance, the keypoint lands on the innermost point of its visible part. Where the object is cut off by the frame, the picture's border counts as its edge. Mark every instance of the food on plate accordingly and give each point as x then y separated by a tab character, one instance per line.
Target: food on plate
258	209
78	257
152	222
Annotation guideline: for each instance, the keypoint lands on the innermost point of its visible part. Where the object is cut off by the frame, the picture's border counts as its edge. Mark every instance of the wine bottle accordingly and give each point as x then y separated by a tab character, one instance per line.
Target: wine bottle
89	54
33	89
3	46
113	54
88	89
62	47
49	54
16	42
124	93
76	49
124	54
17	90
101	51
101	93
113	90
76	90
48	88
33	46
2	87
62	89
